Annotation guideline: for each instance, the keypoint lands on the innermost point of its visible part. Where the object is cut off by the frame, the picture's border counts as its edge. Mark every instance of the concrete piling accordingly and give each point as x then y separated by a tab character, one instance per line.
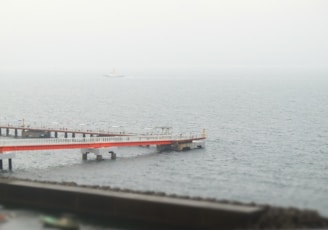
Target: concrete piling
112	155
10	166
84	156
8	156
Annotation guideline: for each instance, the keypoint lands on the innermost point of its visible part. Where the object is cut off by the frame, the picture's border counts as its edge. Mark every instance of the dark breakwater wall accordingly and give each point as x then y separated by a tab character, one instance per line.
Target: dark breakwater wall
162	210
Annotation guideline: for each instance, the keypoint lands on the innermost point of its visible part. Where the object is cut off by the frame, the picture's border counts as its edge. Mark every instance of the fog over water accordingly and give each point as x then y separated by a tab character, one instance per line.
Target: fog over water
134	36
252	73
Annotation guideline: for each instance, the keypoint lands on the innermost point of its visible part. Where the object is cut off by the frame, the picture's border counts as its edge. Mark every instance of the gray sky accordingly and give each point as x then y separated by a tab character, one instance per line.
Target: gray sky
134	35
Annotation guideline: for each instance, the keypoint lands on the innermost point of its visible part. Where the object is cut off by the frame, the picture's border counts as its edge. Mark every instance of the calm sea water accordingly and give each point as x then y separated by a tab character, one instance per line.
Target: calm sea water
267	136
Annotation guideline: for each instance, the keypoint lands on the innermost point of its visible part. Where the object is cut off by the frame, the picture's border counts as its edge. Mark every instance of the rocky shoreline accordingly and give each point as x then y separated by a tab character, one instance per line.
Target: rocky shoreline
271	218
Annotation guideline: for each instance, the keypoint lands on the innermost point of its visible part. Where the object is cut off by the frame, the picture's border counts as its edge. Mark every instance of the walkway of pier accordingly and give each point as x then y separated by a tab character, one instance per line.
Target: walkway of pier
47	132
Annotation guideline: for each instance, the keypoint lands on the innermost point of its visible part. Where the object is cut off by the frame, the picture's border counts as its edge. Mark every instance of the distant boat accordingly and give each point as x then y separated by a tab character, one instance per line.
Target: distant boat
113	74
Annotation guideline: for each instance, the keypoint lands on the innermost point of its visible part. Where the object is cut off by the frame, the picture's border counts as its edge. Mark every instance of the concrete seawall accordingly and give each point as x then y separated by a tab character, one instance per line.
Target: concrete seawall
161	210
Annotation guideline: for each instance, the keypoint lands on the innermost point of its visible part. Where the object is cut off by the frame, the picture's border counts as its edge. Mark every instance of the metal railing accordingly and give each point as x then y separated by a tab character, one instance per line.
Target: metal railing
64	130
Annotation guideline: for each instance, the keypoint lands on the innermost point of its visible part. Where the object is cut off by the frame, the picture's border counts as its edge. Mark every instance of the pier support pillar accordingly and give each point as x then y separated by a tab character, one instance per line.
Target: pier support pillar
7	131
8	156
0	131
84	156
10	164
16	133
189	145
163	148
182	147
65	134
56	134
91	150
73	135
83	135
112	155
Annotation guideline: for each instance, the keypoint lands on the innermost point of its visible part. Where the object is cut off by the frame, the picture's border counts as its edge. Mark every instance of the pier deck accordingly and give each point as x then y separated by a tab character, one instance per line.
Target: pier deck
47	132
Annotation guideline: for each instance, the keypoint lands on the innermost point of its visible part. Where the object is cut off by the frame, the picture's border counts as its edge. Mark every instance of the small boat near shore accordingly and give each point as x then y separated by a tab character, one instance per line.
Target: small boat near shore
67	222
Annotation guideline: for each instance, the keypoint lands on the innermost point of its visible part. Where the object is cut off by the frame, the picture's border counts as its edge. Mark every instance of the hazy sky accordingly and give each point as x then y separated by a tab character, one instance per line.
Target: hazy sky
134	35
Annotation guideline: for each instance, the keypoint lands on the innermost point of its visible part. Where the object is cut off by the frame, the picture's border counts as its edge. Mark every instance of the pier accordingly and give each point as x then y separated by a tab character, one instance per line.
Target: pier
87	145
45	132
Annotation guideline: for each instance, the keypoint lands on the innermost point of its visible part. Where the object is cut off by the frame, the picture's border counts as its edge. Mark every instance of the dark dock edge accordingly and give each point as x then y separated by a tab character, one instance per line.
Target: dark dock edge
161	210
